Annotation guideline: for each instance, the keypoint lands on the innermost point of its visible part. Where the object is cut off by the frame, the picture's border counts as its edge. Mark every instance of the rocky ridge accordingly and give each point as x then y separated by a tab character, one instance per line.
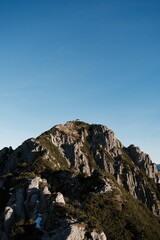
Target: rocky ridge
50	184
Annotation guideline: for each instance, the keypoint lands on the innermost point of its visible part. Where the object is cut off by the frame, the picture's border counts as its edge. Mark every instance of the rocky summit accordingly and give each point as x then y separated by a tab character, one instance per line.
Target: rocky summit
77	181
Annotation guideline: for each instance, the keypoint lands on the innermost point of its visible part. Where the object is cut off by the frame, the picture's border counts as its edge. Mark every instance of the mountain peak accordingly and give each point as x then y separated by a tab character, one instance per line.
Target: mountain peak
87	167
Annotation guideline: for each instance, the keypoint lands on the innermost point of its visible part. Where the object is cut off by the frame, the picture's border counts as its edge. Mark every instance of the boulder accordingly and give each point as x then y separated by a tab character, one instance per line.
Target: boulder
60	198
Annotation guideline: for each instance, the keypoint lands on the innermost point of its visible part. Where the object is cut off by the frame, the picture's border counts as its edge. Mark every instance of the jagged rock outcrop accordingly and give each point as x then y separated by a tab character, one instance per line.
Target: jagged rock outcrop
60	198
143	161
76	231
25	201
25	154
54	182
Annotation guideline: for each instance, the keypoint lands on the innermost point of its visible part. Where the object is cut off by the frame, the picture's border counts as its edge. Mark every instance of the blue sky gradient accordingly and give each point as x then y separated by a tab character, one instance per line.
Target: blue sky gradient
98	61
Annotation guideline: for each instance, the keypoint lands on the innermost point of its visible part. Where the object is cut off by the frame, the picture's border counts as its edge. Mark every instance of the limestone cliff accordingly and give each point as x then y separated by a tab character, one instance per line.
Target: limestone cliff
68	182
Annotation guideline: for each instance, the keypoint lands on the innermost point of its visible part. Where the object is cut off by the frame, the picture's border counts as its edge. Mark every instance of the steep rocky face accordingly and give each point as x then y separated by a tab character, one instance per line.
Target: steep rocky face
29	151
54	184
4	155
83	146
144	162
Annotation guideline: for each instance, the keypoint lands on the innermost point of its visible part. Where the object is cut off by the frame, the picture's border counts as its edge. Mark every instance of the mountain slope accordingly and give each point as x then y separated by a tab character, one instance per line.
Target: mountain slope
77	181
158	166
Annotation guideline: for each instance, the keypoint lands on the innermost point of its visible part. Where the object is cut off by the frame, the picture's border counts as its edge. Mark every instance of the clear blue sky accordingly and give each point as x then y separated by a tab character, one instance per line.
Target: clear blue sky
96	60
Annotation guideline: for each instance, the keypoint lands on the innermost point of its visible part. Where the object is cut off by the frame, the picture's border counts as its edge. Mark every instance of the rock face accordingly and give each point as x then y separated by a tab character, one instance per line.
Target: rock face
144	162
75	231
25	154
60	198
54	184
